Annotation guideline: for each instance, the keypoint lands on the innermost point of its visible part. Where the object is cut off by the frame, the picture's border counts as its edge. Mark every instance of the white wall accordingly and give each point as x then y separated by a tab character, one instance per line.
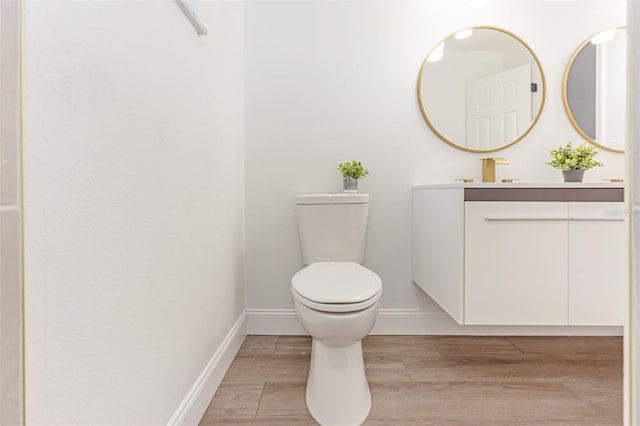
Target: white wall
333	81
134	205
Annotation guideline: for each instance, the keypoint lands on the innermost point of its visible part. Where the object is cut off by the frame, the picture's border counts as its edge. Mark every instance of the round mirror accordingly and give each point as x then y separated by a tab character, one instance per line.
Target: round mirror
481	89
594	89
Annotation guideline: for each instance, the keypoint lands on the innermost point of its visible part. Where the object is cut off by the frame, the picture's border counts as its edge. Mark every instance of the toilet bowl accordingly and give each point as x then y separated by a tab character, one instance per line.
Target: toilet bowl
337	304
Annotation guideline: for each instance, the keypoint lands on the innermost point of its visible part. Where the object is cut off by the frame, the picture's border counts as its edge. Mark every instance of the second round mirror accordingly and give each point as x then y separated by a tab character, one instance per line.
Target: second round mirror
594	89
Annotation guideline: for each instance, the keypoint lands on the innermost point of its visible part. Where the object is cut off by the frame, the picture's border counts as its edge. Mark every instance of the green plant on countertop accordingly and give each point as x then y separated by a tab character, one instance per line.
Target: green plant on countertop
581	157
353	170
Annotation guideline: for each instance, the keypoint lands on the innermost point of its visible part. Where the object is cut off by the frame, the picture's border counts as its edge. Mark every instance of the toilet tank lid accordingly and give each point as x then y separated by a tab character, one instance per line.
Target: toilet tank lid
337	198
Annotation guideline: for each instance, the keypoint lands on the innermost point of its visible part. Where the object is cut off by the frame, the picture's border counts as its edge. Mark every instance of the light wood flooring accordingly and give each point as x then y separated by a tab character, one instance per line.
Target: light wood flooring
436	380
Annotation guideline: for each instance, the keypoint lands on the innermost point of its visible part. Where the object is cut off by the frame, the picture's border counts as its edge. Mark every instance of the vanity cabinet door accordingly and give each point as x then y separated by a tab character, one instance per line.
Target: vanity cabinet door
598	256
516	259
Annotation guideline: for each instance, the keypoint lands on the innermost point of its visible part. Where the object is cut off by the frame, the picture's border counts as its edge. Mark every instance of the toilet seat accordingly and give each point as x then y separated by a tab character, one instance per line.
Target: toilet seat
336	286
337	307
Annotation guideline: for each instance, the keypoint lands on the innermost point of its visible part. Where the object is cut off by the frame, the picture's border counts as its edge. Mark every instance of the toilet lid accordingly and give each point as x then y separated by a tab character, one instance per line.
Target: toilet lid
336	282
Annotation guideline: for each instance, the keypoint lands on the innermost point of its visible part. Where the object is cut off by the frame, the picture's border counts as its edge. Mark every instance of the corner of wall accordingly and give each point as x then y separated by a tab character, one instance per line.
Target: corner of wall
197	400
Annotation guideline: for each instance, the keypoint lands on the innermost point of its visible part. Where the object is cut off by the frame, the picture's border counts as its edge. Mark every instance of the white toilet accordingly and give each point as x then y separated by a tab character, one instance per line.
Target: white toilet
336	299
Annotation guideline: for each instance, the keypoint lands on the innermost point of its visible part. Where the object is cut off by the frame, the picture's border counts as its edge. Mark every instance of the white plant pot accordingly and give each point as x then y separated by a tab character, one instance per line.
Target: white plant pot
573	175
350	185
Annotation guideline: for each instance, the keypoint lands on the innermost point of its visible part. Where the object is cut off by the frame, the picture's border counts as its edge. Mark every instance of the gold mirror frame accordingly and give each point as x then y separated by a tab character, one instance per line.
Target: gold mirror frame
533	122
565	100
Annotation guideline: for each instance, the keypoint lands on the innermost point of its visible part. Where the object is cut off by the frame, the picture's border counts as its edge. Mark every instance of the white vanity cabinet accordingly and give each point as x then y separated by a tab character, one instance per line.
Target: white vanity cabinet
598	264
515	263
522	255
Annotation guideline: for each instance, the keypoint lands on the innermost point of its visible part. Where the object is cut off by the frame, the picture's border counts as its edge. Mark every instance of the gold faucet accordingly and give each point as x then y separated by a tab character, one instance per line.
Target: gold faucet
489	168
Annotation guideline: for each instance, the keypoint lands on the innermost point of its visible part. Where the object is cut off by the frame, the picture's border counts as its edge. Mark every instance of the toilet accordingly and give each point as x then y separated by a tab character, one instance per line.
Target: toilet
336	300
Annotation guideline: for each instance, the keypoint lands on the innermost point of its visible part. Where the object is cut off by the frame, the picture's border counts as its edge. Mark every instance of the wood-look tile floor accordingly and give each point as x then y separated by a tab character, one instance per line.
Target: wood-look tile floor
436	380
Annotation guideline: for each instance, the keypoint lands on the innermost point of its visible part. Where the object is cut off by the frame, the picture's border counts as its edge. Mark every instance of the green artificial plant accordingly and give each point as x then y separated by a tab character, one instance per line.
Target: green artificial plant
353	170
581	157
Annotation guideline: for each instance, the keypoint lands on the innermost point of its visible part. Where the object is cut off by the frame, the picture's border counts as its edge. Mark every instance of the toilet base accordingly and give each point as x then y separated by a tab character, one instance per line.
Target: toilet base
337	390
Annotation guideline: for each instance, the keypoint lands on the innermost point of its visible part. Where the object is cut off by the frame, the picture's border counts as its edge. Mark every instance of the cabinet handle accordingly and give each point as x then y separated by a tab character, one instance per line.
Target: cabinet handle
599	219
594	219
526	218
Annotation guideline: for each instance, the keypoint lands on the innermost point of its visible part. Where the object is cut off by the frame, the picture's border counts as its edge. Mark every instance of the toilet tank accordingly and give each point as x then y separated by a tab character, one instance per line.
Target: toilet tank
332	227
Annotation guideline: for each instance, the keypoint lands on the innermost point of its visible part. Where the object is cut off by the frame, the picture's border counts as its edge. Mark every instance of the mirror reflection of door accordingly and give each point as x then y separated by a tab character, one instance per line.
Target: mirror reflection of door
594	89
498	108
611	77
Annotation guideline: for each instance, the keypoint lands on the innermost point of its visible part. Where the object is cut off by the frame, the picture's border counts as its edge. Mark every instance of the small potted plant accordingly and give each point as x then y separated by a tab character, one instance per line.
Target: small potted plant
351	172
574	161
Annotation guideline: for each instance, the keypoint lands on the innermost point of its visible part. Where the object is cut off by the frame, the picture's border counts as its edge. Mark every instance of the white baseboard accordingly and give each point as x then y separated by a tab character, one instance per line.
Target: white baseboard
197	400
415	322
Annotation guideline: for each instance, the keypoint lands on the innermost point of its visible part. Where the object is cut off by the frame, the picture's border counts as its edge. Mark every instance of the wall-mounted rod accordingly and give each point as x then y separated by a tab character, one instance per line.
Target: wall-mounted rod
193	18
